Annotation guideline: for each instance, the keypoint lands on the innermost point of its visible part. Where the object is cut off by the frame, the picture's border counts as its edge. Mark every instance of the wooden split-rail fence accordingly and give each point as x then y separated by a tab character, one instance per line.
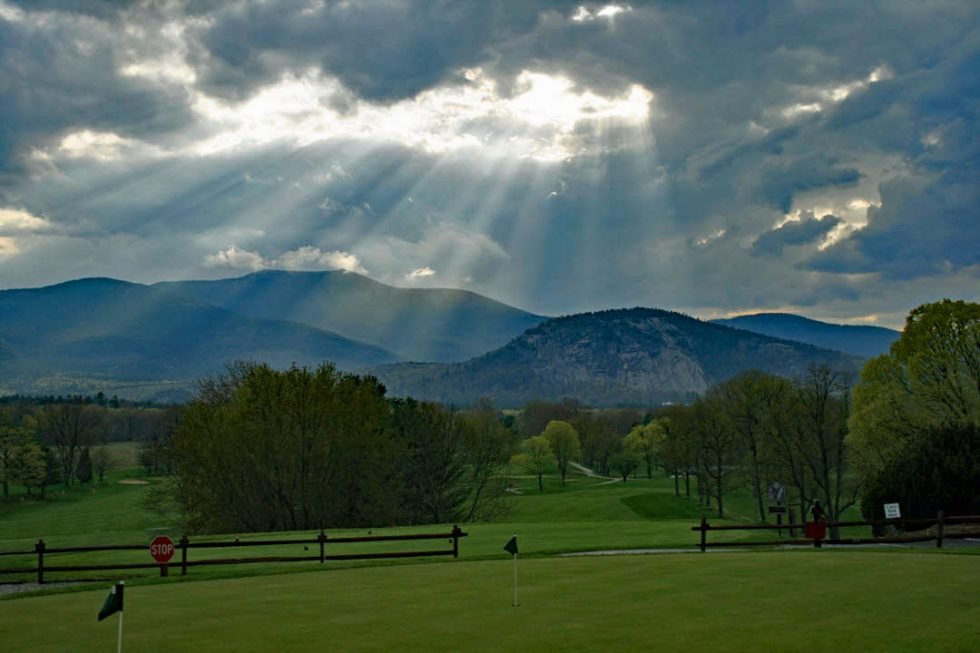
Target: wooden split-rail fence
320	542
916	529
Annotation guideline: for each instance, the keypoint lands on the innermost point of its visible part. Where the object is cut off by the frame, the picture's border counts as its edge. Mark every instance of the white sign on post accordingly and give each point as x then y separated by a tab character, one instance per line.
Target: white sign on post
892	511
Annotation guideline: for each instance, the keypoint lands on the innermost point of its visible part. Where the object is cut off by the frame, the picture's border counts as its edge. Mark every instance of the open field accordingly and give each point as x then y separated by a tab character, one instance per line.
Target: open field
587	514
800	600
797	601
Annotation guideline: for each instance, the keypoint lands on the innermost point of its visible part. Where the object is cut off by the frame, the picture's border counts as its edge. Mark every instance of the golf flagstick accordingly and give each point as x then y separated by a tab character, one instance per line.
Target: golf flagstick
511	548
515	581
119	641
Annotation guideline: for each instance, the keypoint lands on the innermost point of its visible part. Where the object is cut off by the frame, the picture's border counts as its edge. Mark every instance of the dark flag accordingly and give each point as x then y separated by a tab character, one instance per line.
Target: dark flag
511	547
113	603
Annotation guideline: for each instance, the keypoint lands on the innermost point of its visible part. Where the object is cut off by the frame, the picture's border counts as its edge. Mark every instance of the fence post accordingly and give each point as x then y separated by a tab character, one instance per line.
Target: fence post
939	529
40	561
322	537
792	522
704	534
183	555
456	533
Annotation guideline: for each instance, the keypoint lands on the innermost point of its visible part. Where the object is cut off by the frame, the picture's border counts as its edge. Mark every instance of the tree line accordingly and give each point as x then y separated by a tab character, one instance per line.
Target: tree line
907	431
63	440
263	450
260	449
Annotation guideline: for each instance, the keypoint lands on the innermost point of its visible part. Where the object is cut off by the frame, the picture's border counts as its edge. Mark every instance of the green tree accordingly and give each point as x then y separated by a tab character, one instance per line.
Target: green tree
930	378
83	470
646	443
68	427
681	449
12	439
261	450
536	414
719	445
939	470
101	462
487	447
625	463
433	460
751	401
536	457
565	445
824	403
30	467
599	441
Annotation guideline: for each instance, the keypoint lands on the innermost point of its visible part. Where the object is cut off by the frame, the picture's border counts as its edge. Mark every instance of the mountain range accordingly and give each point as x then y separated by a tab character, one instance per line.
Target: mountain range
154	341
416	324
859	340
137	341
634	356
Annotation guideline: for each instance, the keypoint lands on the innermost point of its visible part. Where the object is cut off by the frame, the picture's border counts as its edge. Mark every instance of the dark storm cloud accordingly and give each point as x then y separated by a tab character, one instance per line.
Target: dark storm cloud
923	228
759	110
802	232
381	50
60	74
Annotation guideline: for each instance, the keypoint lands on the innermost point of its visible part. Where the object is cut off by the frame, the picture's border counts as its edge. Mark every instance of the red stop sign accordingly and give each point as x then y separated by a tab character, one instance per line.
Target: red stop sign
162	548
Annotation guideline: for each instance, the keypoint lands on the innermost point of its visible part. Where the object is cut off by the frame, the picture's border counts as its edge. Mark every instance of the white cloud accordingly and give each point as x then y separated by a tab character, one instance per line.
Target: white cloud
20	221
8	247
10	13
101	146
536	122
463	255
306	257
312	258
235	258
418	273
815	99
585	14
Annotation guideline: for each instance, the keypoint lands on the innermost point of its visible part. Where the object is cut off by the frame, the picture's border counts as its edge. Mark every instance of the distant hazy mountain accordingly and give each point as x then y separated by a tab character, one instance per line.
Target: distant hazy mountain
864	341
86	335
417	324
636	356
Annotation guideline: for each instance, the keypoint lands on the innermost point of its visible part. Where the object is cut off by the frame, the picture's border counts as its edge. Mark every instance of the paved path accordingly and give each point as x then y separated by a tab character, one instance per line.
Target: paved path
591	474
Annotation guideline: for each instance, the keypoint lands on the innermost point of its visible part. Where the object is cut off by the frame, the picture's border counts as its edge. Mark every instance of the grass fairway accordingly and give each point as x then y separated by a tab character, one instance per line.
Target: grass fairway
772	601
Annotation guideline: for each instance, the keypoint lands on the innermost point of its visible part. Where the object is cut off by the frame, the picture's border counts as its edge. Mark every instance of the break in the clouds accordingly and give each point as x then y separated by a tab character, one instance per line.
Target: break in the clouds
709	157
303	258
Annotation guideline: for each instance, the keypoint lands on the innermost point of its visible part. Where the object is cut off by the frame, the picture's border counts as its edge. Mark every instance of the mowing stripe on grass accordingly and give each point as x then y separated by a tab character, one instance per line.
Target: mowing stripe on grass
785	601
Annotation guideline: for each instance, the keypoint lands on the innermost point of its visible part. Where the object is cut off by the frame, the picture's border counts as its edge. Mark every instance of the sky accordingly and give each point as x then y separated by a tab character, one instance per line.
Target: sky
715	158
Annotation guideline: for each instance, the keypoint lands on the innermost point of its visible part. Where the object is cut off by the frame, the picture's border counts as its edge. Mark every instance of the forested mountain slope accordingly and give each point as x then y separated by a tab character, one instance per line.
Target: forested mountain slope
634	356
417	324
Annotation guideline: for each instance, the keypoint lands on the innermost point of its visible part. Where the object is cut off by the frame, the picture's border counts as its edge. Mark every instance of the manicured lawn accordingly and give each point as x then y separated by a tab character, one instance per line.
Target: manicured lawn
752	601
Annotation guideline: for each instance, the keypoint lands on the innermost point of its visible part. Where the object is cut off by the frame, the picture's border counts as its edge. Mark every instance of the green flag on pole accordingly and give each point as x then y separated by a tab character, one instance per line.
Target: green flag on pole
113	603
511	547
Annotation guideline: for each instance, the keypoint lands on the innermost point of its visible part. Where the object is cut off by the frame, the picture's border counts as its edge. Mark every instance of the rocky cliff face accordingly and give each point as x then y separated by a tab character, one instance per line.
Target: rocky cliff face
622	357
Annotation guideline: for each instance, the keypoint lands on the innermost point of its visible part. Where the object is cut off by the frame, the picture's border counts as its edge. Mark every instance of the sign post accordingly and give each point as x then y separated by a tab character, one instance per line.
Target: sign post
777	494
162	550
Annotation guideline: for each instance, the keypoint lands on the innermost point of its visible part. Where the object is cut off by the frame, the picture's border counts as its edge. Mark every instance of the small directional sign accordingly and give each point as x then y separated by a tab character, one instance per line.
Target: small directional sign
892	511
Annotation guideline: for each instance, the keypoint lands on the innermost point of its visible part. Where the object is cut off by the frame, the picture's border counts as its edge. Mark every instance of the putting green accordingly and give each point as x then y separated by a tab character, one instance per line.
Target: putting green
746	601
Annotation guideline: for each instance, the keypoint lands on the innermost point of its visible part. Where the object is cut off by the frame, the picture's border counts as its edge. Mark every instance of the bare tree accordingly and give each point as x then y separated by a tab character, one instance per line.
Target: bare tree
67	428
824	402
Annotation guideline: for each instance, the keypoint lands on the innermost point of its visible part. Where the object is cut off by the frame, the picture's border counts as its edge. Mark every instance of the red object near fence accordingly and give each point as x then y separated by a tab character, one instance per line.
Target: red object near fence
162	549
816	530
